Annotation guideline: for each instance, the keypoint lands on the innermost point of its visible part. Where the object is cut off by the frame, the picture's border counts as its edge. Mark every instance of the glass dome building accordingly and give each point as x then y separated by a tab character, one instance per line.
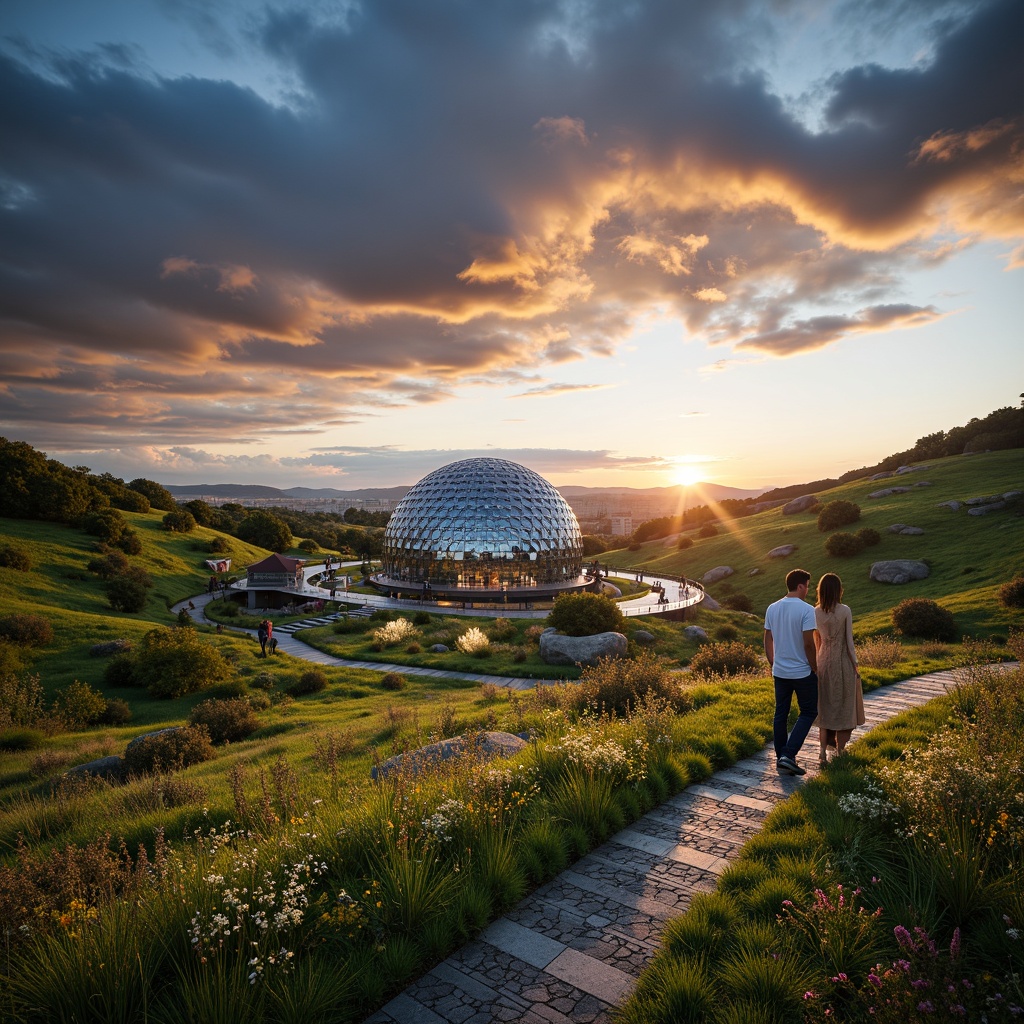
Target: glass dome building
484	525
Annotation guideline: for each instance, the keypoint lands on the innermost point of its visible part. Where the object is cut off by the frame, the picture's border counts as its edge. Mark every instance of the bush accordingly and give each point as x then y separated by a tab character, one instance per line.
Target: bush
227	721
130	543
1012	594
738	603
106	523
115	712
727	632
844	545
474	641
708	530
113	563
127	592
922	617
21	739
393	681
179	521
12	557
726	659
869	536
836	514
311	681
683	543
585	615
79	705
266	531
120	670
26	629
173	662
309	545
169	751
502	630
620	685
218	546
395	632
421	618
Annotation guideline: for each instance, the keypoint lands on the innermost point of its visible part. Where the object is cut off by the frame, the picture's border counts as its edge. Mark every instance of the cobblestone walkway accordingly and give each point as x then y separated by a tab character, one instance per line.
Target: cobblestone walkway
574	948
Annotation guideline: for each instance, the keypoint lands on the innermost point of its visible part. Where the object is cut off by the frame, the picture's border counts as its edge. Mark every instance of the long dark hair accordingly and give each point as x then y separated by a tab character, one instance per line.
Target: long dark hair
830	591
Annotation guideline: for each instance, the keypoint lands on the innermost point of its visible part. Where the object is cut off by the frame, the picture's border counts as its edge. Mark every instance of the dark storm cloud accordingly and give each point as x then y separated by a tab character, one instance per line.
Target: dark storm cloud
456	193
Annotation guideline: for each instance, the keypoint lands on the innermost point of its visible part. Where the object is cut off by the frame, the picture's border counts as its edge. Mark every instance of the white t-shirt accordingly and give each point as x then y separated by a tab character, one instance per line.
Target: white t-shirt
787	620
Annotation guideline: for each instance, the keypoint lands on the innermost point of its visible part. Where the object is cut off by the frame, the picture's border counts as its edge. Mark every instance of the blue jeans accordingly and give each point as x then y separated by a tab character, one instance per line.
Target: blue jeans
806	691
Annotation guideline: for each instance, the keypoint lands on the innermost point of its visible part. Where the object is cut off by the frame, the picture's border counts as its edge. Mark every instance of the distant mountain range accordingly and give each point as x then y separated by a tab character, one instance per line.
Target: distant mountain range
240	492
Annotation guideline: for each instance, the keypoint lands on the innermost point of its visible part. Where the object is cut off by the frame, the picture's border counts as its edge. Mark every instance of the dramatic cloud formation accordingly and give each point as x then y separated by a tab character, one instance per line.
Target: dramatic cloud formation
445	195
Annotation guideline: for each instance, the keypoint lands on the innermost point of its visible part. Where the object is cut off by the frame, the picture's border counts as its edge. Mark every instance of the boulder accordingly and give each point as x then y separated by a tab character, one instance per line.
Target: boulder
988	499
907	531
953	506
484	746
922	483
695	633
983	510
764	506
104	650
642	637
709	604
755	571
801	504
557	649
720	572
149	735
910	469
886	491
880	476
111	767
782	551
1010	495
898	570
439	649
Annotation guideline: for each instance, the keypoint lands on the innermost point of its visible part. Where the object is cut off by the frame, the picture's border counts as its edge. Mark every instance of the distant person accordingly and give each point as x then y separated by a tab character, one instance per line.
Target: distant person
789	646
262	636
840	694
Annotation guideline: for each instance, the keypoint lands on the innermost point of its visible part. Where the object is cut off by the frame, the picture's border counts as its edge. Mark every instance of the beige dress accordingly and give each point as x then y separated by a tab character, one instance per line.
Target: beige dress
840	699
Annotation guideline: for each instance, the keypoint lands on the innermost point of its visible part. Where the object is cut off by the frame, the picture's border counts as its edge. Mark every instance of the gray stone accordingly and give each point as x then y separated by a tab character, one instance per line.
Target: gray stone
557	649
983	510
922	483
111	767
782	551
695	633
880	476
1010	495
439	649
954	506
642	637
989	499
764	506
910	469
898	570
484	746
907	531
104	650
886	491
720	572
755	571
709	604
801	504
149	735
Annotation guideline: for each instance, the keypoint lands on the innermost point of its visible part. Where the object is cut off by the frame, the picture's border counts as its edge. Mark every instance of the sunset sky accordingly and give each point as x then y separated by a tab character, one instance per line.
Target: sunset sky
340	244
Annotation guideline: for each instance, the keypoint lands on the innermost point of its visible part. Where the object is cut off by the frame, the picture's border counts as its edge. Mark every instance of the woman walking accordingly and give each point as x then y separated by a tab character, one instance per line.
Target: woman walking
840	695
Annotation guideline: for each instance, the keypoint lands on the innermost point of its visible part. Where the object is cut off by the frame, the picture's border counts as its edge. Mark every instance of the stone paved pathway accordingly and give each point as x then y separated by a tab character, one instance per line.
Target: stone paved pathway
573	949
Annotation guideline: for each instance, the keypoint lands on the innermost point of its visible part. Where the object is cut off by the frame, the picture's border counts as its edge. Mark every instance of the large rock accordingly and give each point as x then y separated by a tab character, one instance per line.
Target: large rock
886	491
642	637
907	531
911	469
104	650
695	633
953	506
720	572
880	476
801	504
709	604
782	551
764	506
484	746
111	767
557	649
439	649
983	510
898	570
988	499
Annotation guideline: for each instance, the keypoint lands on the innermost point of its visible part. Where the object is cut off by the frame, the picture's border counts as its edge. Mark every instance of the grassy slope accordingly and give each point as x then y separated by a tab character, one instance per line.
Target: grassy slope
969	556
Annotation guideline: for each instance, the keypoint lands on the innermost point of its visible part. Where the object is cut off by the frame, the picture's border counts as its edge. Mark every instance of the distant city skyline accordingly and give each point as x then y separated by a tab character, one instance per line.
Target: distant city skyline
308	244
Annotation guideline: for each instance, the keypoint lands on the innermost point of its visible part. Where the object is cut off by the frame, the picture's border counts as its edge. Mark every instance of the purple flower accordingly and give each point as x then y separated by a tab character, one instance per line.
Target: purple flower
926	1006
875	980
903	937
954	945
810	995
919	983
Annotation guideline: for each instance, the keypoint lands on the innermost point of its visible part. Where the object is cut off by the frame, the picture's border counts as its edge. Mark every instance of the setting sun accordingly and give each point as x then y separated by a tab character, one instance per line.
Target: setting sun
686	474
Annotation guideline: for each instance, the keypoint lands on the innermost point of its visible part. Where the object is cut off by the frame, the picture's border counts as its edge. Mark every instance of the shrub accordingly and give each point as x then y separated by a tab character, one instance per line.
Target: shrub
395	632
120	670
115	712
130	543
26	629
313	680
922	617
173	662
621	685
738	603
533	633
219	546
169	751
12	557
683	543
21	699
502	630
836	514
127	593
844	545
726	659
727	632
179	521
309	545
393	681
1012	594
869	537
79	705
474	641
113	563
421	618
227	721
585	615
880	652
414	648
106	523
708	530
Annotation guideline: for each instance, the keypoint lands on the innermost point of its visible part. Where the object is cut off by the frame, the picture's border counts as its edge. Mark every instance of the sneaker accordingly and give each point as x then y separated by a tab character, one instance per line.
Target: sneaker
787	766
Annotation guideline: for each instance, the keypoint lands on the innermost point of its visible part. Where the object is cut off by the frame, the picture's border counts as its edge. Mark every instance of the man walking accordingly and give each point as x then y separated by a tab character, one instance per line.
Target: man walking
789	646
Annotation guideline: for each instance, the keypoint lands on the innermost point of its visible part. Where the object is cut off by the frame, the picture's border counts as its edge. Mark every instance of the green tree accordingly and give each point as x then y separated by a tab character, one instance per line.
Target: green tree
585	615
159	496
266	531
179	521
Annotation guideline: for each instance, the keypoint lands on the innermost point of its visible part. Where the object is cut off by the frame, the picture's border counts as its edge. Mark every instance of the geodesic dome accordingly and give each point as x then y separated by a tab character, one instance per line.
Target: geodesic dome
483	523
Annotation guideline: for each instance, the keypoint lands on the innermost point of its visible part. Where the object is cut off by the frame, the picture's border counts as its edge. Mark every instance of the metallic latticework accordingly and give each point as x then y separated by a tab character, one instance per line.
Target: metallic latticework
483	523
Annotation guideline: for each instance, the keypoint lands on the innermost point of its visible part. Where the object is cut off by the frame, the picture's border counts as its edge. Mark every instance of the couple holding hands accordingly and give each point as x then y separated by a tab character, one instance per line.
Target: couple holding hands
811	654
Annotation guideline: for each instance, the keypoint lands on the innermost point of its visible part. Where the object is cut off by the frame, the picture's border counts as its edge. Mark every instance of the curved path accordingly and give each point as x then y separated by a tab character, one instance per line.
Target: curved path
574	948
